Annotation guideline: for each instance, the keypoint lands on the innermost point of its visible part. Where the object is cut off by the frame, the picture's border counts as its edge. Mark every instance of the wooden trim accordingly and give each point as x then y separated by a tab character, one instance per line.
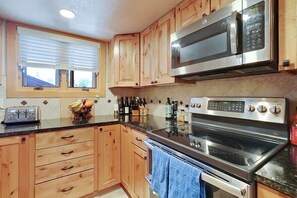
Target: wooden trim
31	190
96	158
10	140
24	167
15	88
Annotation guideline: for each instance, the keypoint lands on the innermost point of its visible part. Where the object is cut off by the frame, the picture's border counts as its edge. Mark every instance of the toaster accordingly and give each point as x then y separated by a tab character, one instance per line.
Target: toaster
22	114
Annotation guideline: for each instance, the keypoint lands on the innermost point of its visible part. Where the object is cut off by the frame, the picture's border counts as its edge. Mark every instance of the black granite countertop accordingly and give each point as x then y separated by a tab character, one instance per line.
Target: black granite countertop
280	173
142	123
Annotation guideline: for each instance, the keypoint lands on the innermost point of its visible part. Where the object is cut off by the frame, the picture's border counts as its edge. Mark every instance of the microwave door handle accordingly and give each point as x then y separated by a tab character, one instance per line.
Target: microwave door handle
234	33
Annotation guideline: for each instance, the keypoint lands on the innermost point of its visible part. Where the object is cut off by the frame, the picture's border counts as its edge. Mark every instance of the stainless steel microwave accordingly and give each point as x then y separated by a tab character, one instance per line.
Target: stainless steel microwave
239	39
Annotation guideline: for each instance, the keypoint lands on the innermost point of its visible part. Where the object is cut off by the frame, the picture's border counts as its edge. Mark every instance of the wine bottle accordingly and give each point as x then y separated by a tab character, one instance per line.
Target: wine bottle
126	107
121	106
168	109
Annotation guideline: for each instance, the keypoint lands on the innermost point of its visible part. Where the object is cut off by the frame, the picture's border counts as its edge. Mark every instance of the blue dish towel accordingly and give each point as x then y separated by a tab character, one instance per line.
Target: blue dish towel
160	168
184	180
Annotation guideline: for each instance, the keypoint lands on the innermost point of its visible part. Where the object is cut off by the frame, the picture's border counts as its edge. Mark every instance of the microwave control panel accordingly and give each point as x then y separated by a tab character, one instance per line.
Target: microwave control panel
254	27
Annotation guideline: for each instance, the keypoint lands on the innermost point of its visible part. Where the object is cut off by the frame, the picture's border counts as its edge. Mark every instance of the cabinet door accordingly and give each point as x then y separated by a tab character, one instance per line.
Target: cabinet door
264	191
166	26
14	167
217	4
108	156
126	60
189	11
287	35
148	55
140	185
126	163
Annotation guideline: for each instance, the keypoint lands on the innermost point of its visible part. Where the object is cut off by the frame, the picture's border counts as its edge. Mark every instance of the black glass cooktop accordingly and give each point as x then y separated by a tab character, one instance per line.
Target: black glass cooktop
235	148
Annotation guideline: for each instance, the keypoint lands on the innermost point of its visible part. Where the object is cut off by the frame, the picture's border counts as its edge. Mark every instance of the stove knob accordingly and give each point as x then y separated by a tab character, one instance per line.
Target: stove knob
262	109
250	108
198	105
192	144
275	109
193	105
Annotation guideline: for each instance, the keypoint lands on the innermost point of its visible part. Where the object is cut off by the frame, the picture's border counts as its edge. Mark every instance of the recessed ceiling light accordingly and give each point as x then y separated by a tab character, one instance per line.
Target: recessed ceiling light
67	13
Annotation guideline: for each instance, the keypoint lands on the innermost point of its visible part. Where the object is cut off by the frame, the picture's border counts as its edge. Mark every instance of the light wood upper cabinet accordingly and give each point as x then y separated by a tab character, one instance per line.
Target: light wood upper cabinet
287	35
217	4
148	55
14	167
265	192
124	61
126	153
189	11
108	156
166	26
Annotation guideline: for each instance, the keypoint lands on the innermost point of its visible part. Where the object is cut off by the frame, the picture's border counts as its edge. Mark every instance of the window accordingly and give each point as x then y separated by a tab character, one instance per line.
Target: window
43	55
74	65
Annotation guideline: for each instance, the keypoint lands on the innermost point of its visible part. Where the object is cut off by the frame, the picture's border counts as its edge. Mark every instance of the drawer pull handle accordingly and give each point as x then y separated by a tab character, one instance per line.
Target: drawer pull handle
68	137
67	189
67	153
66	168
138	139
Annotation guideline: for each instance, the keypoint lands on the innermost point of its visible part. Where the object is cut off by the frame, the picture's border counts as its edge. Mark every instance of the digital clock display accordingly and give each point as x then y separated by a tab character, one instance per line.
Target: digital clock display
229	106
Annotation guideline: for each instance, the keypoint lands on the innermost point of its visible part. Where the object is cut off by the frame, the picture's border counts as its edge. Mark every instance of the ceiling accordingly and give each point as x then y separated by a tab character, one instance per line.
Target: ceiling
100	19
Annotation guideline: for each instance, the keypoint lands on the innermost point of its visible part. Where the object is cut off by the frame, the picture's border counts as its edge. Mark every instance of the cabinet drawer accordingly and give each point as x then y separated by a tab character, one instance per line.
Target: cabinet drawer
61	169
138	139
76	185
61	153
51	139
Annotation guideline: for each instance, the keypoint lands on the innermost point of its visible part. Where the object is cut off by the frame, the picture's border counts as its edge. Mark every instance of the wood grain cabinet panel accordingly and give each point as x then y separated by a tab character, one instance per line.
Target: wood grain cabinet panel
15	167
217	4
124	61
76	185
287	35
189	11
108	156
70	136
148	55
266	192
61	153
126	153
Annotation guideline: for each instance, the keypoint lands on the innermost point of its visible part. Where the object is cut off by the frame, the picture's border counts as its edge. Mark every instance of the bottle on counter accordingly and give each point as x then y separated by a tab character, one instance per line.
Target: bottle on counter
121	106
174	110
293	132
116	108
126	107
168	110
187	114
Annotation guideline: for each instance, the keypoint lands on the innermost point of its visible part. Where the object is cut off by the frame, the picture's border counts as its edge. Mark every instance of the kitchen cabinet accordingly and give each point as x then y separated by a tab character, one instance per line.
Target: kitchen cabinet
217	4
126	153
124	61
140	188
189	11
148	55
15	167
155	52
108	156
287	35
65	163
264	191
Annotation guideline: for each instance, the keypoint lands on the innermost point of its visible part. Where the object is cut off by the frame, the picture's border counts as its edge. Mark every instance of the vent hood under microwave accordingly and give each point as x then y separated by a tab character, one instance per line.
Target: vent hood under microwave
239	39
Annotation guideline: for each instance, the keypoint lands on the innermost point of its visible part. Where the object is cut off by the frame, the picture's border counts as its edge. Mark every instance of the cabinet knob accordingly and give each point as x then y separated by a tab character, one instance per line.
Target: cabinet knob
204	15
286	63
156	81
152	82
213	10
136	84
23	139
100	129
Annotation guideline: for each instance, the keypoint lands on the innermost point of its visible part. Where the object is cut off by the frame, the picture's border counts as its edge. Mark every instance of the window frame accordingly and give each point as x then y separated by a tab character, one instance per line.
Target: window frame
14	73
70	80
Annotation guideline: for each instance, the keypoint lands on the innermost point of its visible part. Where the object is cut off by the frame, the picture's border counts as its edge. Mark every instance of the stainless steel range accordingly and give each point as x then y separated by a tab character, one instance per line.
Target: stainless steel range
229	139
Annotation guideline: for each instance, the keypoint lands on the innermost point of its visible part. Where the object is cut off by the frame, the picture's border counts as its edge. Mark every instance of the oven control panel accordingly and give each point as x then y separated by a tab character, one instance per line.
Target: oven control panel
260	109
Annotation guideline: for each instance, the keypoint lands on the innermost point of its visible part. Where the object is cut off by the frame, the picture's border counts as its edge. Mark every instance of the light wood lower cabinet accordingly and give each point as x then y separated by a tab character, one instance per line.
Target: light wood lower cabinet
126	157
108	156
14	167
266	192
64	163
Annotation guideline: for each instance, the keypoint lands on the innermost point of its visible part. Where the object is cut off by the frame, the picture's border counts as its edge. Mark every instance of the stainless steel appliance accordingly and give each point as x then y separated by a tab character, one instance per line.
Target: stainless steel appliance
22	114
239	39
228	139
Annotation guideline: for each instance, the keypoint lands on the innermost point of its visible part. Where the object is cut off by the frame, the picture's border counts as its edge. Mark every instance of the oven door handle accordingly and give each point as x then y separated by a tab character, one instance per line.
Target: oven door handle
238	192
234	33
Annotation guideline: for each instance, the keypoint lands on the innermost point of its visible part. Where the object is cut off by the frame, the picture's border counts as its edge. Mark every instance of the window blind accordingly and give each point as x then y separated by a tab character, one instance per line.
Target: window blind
47	50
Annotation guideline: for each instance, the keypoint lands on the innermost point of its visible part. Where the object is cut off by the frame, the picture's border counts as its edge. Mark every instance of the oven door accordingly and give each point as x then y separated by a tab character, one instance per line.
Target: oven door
211	43
218	184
